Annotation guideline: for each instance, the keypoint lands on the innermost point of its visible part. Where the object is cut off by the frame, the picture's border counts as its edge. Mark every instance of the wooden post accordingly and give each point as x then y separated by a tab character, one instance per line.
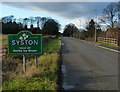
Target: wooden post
24	63
36	60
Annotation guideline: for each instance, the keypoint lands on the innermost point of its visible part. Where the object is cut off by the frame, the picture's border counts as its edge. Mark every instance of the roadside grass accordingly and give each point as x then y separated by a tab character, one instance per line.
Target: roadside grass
52	48
45	77
91	39
107	44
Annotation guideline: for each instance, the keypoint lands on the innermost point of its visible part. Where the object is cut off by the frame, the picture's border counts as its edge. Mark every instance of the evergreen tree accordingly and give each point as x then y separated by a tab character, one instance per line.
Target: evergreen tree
91	29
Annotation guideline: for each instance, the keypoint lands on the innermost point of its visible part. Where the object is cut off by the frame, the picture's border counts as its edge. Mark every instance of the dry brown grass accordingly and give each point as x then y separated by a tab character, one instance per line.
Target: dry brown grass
4	41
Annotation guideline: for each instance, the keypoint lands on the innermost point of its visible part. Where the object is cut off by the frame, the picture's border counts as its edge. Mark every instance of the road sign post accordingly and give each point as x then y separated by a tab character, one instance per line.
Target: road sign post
25	43
36	60
24	63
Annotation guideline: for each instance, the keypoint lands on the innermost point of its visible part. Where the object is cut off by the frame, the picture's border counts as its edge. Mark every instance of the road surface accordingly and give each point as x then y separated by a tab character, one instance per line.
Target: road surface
88	67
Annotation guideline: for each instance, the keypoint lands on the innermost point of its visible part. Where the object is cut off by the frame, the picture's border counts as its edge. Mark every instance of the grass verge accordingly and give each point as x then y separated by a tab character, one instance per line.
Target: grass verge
107	44
45	77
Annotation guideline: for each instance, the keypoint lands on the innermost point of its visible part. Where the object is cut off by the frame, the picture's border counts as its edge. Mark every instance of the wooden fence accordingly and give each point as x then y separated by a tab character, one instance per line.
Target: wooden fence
107	40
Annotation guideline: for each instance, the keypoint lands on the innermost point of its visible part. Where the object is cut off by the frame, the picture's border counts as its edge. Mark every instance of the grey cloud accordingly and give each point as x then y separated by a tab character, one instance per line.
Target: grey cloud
65	9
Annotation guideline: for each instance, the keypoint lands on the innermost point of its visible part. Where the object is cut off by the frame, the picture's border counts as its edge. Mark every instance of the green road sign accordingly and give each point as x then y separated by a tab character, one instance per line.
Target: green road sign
25	43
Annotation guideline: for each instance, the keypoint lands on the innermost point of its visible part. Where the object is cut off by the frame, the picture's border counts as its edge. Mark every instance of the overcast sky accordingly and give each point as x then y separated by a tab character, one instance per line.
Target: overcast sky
64	12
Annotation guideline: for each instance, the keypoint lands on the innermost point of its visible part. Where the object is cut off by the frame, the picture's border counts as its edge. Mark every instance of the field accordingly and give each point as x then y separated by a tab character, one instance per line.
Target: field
45	77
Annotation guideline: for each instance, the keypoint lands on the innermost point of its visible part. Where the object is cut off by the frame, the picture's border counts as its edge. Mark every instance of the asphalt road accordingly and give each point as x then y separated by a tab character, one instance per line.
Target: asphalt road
88	67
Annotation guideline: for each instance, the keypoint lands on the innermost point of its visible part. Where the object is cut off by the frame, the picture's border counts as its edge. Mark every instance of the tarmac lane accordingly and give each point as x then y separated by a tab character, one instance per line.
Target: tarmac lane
88	67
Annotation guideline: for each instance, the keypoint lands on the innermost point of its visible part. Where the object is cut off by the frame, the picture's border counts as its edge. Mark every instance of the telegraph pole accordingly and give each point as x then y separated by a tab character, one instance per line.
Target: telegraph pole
95	24
80	23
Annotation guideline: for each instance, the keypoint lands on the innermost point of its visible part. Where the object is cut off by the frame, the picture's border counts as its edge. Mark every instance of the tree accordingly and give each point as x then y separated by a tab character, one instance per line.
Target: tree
69	29
51	27
118	14
43	21
91	28
12	25
110	12
38	19
31	20
20	22
98	30
25	22
7	19
11	28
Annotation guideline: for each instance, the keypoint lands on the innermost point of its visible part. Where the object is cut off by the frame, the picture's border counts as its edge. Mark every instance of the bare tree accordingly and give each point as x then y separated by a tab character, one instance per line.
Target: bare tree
4	20
19	20
10	18
38	19
109	13
31	20
7	19
25	22
14	20
119	14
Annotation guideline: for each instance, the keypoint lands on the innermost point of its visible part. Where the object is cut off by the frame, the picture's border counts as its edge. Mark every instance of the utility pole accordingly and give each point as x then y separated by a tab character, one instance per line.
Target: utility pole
80	23
95	24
